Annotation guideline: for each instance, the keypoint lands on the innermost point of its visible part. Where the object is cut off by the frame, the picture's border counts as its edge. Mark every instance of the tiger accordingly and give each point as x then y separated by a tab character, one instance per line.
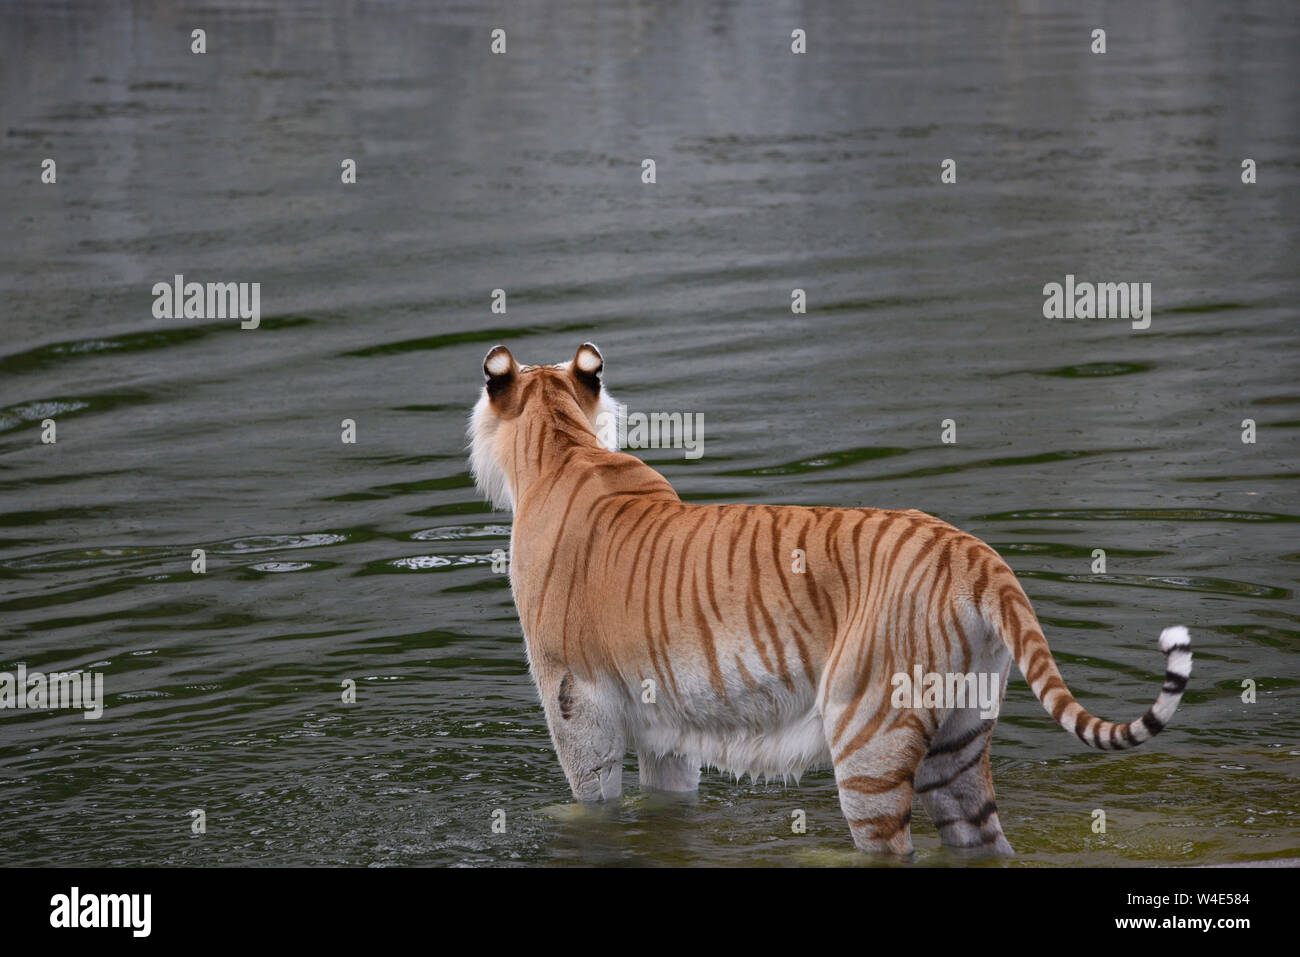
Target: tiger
685	633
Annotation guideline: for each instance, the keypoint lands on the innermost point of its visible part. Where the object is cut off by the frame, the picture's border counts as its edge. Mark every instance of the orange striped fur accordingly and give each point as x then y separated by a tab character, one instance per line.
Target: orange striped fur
684	632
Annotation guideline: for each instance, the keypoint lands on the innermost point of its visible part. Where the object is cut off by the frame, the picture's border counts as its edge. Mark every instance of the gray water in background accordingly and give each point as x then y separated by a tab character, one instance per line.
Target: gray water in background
372	561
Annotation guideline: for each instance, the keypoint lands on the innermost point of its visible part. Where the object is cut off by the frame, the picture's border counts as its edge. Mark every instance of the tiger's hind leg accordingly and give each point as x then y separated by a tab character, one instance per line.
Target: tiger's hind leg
874	777
955	784
669	772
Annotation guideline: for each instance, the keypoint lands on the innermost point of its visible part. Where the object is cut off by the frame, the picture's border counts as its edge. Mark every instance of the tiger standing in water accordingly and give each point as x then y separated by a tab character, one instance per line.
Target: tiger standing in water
757	669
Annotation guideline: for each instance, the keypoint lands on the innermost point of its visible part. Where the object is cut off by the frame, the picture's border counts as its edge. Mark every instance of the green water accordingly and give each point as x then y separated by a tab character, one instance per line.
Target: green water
372	562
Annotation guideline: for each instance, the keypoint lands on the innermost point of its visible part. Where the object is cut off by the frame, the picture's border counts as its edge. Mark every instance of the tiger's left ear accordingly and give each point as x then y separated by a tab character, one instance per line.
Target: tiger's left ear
499	371
587	367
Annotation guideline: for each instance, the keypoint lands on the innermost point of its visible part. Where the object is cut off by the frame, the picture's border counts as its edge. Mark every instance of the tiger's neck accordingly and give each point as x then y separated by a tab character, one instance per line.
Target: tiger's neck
542	443
547	448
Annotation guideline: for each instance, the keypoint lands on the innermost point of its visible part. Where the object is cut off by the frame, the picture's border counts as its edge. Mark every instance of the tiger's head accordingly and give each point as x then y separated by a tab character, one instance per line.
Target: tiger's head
568	397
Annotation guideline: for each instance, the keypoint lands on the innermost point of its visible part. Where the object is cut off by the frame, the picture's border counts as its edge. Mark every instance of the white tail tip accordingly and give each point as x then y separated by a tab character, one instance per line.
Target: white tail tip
1174	637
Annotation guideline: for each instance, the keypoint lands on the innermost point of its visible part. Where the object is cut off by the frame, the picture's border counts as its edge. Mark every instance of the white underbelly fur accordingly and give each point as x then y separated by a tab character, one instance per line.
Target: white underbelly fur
775	735
783	752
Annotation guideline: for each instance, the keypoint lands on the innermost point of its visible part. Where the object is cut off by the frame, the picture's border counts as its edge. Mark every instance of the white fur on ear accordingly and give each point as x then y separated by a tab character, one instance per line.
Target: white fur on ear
588	359
498	363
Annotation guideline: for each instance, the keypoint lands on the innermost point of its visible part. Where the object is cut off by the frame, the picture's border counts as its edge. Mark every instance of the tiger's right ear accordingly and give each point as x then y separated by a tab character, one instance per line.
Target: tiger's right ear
499	371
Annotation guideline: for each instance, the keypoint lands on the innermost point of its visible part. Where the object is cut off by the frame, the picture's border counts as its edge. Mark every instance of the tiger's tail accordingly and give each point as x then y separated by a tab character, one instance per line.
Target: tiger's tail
1015	623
